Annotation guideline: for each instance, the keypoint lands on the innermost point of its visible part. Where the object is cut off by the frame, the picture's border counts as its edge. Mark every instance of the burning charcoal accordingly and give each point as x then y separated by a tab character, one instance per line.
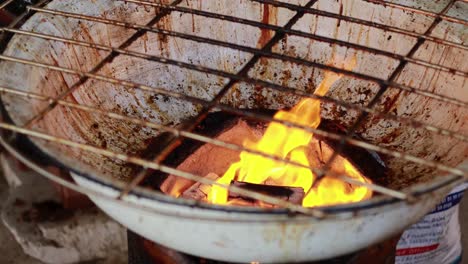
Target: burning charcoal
199	191
291	194
210	158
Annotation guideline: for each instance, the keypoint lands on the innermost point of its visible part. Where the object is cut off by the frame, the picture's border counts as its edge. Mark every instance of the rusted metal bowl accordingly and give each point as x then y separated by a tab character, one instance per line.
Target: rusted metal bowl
247	234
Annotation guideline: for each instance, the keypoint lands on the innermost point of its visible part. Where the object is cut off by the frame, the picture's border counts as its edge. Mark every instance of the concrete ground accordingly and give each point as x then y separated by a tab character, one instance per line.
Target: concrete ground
11	252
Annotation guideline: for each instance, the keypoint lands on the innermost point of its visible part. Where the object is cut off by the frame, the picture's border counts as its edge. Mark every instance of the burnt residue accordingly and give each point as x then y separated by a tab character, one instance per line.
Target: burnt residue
265	34
390	137
341	14
370	163
390	101
163	39
144	39
269	16
388	105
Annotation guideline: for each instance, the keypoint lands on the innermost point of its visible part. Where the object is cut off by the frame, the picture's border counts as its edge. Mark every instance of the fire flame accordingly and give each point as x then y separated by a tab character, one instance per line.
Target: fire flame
292	143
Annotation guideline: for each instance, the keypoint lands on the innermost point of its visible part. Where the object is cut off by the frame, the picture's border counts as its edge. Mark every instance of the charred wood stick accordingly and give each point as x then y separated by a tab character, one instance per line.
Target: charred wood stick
291	194
200	191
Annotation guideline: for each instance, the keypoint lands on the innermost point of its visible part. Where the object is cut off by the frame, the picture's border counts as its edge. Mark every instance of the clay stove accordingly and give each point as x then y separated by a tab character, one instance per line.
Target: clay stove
92	83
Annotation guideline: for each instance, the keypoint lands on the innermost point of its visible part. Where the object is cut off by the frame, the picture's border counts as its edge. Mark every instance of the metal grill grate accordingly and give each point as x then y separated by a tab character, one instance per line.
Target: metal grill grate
266	51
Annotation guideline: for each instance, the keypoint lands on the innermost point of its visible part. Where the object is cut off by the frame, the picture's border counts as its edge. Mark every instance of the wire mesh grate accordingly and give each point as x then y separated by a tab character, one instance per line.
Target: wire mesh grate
267	50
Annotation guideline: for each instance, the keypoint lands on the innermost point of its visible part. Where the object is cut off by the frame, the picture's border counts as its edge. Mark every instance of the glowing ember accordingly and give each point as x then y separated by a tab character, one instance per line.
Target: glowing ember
293	144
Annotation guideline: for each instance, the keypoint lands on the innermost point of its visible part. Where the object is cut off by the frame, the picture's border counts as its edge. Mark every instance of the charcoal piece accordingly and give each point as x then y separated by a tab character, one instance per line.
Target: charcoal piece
291	194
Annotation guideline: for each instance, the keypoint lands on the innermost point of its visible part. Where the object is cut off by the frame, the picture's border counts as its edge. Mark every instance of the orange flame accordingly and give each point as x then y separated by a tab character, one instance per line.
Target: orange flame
292	143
